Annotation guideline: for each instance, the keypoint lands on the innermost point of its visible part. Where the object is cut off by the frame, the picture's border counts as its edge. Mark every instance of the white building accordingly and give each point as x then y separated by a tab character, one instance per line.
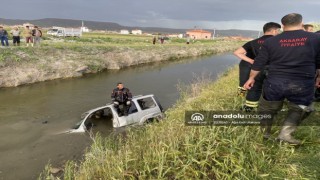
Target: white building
175	36
136	32
124	31
84	29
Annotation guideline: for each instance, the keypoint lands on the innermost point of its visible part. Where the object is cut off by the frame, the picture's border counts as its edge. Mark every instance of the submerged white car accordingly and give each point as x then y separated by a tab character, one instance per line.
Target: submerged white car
143	109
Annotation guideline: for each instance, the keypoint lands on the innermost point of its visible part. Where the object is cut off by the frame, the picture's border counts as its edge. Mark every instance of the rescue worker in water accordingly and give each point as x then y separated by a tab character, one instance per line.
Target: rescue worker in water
121	96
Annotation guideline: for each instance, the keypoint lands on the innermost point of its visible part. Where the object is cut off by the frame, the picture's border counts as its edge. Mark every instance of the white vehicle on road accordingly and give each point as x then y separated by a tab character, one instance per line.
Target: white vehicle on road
69	32
52	32
65	32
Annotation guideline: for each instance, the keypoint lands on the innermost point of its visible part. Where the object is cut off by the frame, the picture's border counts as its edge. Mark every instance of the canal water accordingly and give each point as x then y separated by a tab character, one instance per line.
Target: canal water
32	117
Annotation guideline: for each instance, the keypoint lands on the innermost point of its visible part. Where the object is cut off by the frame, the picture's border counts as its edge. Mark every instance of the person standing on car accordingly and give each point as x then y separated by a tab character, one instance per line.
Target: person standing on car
121	96
36	34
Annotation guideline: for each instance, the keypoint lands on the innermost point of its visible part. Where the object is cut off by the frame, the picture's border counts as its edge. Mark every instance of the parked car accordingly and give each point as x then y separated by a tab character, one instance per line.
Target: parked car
65	32
52	32
143	109
69	32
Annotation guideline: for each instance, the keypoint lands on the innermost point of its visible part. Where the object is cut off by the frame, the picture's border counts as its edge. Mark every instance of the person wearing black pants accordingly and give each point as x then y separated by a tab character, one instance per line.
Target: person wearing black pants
4	37
244	72
247	53
16	36
294	64
121	96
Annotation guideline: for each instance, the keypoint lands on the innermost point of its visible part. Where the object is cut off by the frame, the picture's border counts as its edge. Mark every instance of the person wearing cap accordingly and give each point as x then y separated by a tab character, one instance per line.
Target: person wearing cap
294	63
121	96
4	37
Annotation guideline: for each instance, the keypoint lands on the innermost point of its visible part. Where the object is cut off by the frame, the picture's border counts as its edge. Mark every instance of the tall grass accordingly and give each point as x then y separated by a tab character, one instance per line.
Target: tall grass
95	44
62	57
172	150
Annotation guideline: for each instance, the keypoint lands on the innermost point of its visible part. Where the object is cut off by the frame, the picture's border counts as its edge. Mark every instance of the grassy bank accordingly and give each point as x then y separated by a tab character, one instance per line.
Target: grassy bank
171	150
73	57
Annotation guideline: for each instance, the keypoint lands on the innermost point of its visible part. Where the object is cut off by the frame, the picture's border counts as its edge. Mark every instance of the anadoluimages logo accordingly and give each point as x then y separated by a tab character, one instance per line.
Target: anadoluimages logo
197	117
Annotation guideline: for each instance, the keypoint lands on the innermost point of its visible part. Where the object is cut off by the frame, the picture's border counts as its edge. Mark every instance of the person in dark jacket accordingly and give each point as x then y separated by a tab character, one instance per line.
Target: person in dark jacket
317	92
294	63
154	40
121	96
4	37
247	53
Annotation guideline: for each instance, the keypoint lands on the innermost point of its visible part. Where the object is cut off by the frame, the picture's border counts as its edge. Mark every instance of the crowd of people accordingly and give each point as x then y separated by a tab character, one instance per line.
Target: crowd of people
32	36
278	67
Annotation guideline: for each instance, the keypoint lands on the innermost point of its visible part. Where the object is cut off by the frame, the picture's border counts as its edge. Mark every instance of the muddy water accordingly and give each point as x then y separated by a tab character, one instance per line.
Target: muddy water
32	117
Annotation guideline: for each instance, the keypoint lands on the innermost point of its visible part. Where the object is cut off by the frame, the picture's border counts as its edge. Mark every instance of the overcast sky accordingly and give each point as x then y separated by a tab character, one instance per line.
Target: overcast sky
219	14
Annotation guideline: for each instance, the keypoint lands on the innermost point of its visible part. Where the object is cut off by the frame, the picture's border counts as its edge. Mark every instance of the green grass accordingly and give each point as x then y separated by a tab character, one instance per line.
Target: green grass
94	45
9	55
61	57
171	150
101	40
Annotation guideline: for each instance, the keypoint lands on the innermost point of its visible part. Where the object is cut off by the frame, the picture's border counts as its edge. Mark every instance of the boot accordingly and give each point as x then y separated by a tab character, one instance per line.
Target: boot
317	95
296	114
241	91
268	107
246	108
249	106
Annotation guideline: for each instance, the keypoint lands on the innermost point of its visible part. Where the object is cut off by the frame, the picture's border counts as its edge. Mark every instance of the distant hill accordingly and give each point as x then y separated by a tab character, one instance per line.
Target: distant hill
96	25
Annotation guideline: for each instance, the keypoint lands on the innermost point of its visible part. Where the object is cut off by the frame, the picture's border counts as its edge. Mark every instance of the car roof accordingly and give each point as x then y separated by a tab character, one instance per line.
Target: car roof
142	96
109	104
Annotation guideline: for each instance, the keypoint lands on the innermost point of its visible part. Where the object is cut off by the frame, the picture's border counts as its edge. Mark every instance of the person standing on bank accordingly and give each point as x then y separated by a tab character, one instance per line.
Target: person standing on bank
28	36
121	96
308	27
294	59
36	34
16	36
317	93
4	37
154	40
247	53
188	39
